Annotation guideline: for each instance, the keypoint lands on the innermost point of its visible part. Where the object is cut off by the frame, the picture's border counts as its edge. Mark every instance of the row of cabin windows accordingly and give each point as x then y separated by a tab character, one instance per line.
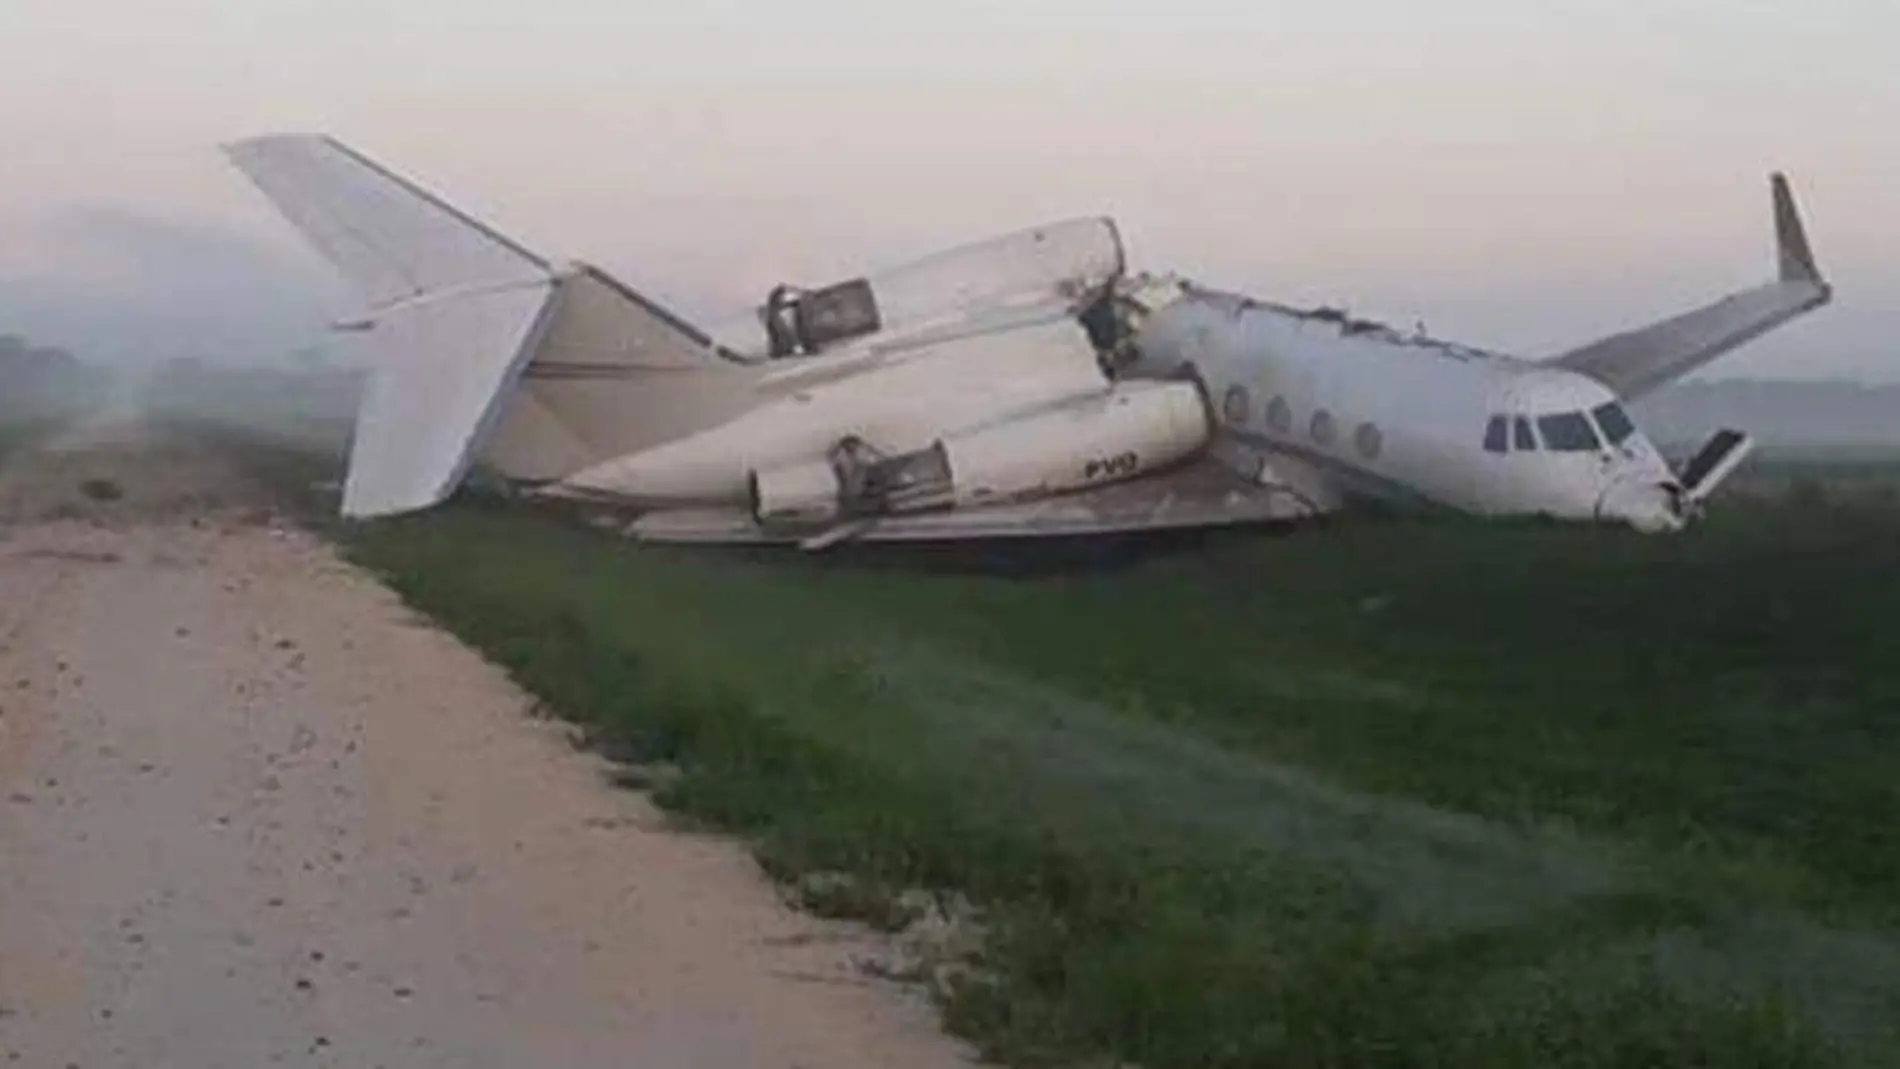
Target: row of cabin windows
1236	407
1564	432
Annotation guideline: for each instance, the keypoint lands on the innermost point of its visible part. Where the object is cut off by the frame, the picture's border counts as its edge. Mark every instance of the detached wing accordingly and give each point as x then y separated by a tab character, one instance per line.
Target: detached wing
1639	361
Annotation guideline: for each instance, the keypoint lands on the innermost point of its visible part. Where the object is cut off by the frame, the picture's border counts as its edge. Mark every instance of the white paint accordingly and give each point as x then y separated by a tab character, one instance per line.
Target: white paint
460	311
977	387
899	404
1136	428
1046	265
391	240
1429	405
439	372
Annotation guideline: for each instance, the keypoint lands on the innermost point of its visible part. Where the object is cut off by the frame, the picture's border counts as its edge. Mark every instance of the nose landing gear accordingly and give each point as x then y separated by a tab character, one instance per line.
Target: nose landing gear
1671	505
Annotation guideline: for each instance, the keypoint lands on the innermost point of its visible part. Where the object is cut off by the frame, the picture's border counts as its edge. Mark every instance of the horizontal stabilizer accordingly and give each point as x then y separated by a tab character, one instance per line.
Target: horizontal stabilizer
390	239
1636	362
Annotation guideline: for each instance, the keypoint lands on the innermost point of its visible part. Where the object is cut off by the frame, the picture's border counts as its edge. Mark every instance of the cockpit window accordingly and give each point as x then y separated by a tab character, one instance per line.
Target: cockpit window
1614	421
1568	432
1524	441
1495	435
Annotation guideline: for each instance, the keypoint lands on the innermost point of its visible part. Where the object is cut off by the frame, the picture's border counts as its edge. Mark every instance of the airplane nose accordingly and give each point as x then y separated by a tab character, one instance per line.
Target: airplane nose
1645	504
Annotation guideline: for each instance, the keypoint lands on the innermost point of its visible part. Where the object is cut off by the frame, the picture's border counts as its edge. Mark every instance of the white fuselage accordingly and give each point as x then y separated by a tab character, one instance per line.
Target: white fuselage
1377	414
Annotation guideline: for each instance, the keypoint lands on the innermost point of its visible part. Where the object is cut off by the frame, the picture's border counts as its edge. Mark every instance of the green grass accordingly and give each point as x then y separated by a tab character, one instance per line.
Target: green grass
1866	476
1389	794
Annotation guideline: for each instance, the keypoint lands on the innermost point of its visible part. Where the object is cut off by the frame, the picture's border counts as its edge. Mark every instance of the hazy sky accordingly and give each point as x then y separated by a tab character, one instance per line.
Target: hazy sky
1523	175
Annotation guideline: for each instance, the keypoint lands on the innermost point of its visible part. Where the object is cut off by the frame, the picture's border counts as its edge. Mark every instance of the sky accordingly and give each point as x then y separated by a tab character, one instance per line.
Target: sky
1520	176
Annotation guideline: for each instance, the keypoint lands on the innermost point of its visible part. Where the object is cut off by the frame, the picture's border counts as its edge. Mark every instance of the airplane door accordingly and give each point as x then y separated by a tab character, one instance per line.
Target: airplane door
1497	483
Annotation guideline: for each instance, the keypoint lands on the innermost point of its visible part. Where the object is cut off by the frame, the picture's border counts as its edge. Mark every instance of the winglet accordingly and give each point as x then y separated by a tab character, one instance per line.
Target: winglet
1797	258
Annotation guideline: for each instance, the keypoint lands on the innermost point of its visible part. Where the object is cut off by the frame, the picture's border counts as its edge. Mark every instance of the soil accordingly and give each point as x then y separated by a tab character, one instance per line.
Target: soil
254	812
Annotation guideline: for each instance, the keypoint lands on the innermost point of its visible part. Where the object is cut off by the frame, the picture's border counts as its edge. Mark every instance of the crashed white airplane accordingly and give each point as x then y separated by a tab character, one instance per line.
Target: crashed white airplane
1023	386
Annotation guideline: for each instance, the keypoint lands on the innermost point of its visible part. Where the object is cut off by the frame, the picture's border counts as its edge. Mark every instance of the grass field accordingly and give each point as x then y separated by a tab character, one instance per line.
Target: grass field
1395	793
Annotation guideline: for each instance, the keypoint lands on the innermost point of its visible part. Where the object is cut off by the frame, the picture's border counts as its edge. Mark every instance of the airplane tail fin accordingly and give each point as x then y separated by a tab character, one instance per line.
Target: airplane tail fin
458	312
612	374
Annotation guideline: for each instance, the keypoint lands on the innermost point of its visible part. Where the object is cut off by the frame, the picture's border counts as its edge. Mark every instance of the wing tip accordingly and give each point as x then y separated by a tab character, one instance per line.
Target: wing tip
1791	237
251	146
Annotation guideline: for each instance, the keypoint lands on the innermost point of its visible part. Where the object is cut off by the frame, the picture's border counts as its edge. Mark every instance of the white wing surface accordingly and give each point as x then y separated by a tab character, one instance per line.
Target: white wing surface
1639	361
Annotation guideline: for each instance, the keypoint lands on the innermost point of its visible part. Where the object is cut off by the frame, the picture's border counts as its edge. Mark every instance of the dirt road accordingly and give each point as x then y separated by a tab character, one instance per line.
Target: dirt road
253	813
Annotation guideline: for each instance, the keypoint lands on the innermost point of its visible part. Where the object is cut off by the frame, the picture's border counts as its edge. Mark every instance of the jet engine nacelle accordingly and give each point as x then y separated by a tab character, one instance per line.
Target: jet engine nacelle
1127	431
1065	261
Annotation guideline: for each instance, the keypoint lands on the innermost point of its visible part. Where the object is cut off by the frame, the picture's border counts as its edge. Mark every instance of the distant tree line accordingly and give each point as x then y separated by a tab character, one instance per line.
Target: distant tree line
1783	415
307	404
40	379
18	357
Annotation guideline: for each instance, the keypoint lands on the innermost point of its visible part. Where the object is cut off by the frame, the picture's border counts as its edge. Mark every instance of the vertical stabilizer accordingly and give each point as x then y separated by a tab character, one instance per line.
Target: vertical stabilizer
613	373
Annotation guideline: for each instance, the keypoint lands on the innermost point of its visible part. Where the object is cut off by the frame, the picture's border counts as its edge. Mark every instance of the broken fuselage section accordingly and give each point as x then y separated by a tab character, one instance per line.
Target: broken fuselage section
970	379
1032	369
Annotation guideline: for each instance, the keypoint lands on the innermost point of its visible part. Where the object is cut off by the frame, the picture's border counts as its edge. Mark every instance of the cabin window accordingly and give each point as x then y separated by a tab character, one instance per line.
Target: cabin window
1236	406
1279	415
1322	427
1614	421
1568	432
1368	441
1496	436
1524	440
